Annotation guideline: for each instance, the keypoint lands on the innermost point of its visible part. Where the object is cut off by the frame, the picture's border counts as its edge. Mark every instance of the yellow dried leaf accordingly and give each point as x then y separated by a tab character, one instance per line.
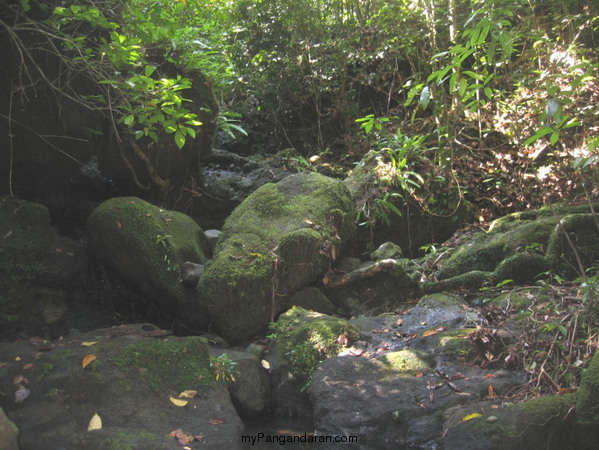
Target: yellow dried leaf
188	394
87	360
178	402
265	364
95	423
471	416
89	343
429	333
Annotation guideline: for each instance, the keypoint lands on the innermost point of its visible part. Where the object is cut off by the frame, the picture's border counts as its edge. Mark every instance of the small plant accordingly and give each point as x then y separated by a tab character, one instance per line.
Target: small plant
163	241
228	123
224	367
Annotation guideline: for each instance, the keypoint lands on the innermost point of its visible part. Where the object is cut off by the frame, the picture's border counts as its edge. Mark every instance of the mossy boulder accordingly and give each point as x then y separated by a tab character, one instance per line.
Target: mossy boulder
387	250
147	246
587	406
372	288
485	251
521	246
8	433
42	274
574	243
542	422
313	299
283	237
303	338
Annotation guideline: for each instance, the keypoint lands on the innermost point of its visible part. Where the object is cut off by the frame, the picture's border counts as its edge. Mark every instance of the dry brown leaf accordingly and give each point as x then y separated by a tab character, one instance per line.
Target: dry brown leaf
216	421
566	390
491	391
87	360
429	333
27	366
419	374
182	437
489	375
188	394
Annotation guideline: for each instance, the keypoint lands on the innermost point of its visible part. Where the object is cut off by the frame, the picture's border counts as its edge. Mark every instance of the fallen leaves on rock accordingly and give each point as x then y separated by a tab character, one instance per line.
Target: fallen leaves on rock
185	438
178	401
471	416
95	423
189	393
217	421
21	393
87	360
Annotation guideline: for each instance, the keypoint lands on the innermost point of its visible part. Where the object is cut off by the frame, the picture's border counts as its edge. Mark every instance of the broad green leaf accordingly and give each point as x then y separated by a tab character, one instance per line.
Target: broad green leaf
539	134
149	70
128	120
179	139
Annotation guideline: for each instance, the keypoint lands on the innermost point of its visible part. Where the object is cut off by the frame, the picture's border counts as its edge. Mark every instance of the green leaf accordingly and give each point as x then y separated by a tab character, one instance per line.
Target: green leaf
149	70
179	139
554	137
539	134
439	75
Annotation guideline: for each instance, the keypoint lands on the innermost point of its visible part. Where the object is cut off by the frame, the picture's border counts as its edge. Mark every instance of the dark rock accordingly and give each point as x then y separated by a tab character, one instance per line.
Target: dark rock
128	386
42	275
189	273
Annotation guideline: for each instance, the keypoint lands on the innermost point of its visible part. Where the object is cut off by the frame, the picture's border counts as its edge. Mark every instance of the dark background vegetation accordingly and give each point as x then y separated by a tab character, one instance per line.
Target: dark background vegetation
494	102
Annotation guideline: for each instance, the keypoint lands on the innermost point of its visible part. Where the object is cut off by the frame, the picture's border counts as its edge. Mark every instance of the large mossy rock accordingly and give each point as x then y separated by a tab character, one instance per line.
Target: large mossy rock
520	246
282	238
148	246
8	433
42	274
301	339
587	406
134	385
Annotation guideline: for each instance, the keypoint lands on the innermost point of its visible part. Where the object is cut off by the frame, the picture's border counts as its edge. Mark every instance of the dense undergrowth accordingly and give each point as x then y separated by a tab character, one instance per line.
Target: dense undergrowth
492	101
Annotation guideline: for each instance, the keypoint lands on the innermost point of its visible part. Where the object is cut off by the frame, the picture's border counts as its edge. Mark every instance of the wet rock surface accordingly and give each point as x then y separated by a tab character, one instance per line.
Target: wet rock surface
129	385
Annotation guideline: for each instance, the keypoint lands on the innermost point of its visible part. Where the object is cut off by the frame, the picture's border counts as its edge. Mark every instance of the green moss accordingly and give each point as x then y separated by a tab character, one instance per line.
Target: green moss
407	361
521	267
168	366
519	299
281	238
305	338
453	343
485	251
587	404
312	299
516	219
575	238
127	441
472	279
162	238
541	422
